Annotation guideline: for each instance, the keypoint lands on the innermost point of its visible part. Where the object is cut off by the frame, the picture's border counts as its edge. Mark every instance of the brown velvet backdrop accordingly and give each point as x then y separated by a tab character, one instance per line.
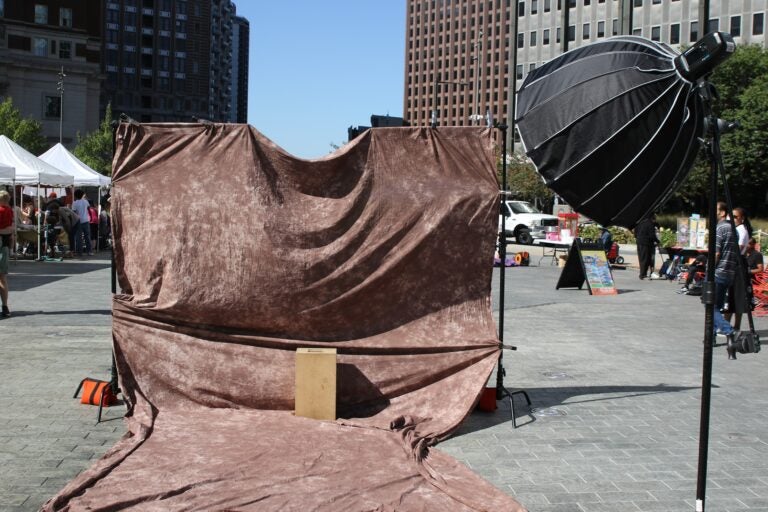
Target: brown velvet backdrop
231	254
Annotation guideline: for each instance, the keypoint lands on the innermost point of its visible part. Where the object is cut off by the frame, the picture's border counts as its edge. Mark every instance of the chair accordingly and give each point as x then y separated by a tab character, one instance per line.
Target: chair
760	293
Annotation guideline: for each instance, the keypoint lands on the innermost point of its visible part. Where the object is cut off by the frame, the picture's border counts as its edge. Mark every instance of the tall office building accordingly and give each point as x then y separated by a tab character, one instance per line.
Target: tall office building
674	22
458	55
39	39
169	60
240	38
457	58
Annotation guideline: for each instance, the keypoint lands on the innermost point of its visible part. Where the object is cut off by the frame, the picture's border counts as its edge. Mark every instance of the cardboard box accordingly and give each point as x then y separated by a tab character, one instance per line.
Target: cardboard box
315	394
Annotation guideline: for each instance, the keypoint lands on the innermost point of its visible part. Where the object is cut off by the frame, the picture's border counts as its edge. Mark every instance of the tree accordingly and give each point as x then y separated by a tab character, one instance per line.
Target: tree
27	133
524	182
742	85
95	149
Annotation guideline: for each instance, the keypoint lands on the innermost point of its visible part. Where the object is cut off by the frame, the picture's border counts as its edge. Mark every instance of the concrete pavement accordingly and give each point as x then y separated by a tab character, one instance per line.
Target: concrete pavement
614	382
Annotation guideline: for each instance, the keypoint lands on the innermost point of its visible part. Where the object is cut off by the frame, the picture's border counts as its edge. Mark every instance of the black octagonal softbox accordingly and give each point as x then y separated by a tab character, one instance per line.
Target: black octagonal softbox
612	127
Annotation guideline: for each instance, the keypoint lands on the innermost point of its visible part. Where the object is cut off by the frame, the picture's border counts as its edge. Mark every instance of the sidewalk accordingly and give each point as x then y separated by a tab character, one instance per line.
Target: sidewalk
615	382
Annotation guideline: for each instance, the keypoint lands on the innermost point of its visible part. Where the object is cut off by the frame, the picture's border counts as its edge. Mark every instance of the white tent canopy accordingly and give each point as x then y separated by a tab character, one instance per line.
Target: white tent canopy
30	170
61	158
7	174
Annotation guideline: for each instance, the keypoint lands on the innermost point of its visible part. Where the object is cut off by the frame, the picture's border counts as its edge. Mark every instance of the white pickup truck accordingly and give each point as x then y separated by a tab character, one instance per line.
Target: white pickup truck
525	223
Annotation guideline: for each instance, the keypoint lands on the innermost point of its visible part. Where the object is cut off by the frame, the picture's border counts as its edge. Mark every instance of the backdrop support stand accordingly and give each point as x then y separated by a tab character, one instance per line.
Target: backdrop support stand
501	391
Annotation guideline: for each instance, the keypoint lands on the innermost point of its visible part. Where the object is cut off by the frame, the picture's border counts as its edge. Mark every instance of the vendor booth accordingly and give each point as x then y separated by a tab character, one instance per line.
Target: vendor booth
31	171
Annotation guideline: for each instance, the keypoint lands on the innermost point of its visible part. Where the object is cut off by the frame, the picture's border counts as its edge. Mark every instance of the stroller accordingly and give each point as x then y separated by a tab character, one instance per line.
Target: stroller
613	254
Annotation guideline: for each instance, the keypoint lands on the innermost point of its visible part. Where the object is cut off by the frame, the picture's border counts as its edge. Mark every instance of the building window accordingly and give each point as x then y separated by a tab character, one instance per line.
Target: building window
757	24
674	33
41	14
600	29
655	2
520	9
615	27
713	25
571	32
2	7
65	50
656	33
545	36
638	3
533	39
547	5
534	6
520	40
65	17
40	46
735	26
637	32
694	32
585	31
52	107
519	72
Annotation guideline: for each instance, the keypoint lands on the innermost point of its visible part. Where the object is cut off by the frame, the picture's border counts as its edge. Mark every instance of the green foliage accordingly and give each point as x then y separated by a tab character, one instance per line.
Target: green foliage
27	133
667	237
620	235
742	84
95	149
524	182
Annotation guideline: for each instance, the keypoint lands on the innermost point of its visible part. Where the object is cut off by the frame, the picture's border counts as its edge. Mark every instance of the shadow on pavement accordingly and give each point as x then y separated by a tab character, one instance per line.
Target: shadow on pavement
25	275
546	400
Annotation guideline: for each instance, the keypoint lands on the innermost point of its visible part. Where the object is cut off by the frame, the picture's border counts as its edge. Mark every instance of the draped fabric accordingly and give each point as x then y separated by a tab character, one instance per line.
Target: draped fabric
231	254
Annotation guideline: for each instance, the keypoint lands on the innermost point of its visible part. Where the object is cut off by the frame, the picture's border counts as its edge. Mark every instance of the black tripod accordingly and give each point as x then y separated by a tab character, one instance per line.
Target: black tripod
501	391
714	128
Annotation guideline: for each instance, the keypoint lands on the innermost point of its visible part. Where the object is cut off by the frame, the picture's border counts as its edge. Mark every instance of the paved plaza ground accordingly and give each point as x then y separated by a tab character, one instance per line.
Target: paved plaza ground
615	384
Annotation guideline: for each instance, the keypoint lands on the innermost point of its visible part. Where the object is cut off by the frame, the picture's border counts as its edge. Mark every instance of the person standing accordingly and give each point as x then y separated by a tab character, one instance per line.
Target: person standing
725	272
645	236
83	229
6	230
738	293
755	263
742	229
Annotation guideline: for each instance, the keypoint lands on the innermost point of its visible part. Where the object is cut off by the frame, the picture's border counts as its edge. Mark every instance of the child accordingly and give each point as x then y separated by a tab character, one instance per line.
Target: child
6	230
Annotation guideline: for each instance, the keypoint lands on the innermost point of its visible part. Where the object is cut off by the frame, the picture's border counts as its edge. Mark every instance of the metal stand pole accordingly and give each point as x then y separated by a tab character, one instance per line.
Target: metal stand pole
501	391
706	90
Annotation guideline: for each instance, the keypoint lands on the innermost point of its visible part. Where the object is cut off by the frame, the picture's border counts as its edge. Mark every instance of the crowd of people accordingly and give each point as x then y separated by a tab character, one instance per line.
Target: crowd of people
66	230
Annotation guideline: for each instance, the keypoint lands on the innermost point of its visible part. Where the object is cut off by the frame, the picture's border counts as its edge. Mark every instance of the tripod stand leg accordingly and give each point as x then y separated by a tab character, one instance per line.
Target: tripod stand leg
511	396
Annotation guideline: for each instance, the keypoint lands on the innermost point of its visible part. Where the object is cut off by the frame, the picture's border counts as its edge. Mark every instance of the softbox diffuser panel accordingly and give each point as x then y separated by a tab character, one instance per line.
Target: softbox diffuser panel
611	127
231	254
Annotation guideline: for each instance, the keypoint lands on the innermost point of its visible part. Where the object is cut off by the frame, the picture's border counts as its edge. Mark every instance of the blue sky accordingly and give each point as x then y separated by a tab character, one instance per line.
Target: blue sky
317	67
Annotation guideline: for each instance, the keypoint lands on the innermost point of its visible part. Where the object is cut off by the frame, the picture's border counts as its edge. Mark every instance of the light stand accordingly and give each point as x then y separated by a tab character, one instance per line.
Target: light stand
501	391
714	128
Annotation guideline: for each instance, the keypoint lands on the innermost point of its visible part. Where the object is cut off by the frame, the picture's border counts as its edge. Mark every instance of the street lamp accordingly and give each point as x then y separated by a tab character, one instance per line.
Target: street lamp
434	101
60	88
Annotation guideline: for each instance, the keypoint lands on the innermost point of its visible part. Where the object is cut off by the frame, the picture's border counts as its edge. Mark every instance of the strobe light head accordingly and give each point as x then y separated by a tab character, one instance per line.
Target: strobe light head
704	56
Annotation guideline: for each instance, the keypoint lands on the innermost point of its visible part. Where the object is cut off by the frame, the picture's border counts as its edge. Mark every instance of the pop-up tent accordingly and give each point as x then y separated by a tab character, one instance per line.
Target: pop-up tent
7	174
30	170
84	176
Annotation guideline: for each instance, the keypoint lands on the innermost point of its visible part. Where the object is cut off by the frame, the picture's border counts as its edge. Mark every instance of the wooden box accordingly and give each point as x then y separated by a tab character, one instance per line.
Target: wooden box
316	383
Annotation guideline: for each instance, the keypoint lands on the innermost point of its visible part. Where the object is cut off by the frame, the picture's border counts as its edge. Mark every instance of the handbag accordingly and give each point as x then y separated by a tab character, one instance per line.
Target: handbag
747	342
96	392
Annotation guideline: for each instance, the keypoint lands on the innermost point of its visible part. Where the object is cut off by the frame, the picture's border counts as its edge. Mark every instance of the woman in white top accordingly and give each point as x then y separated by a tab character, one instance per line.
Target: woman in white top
739	218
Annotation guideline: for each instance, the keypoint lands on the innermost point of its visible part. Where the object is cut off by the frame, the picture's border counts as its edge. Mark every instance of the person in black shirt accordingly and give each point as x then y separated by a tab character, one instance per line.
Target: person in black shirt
754	259
645	236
